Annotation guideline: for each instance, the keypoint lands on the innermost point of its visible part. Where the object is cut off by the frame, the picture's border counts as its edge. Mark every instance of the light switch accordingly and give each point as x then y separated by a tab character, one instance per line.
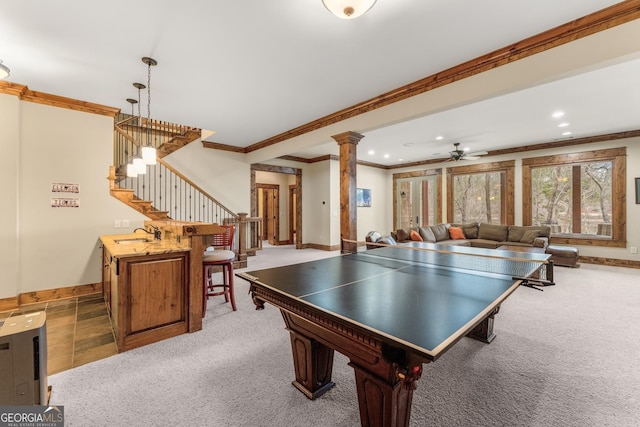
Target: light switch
117	223
125	223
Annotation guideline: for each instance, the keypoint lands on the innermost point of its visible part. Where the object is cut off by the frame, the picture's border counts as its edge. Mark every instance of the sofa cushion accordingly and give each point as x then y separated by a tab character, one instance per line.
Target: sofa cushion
415	236
495	232
529	236
515	233
440	231
470	230
426	234
484	243
456	233
451	242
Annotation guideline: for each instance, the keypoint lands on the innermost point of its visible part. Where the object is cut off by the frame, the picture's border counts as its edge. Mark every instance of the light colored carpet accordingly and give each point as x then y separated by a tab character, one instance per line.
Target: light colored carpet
568	356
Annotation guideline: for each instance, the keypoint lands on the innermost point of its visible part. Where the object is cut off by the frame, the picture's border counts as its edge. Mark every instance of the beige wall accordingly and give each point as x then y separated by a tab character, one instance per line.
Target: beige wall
9	137
56	247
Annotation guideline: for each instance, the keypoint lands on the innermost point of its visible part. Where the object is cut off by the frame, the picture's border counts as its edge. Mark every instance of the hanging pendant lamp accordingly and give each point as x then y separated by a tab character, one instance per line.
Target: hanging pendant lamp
148	151
131	169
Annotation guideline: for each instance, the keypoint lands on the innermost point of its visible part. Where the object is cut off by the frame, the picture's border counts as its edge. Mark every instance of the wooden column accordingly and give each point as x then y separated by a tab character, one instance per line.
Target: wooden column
348	207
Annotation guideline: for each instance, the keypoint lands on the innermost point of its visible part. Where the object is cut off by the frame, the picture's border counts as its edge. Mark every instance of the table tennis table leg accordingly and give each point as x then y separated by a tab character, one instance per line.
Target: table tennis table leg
484	331
313	364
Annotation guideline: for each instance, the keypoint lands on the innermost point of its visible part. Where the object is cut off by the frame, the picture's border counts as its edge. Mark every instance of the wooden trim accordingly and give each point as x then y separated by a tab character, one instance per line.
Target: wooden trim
601	20
25	94
9	304
611	262
224	147
59	293
583	156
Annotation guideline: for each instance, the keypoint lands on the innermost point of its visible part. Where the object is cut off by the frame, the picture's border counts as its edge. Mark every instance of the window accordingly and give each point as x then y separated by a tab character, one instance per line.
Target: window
481	193
580	196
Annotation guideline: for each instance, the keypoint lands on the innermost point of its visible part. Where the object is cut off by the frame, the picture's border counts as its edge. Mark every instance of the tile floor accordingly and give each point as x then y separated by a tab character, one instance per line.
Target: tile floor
78	331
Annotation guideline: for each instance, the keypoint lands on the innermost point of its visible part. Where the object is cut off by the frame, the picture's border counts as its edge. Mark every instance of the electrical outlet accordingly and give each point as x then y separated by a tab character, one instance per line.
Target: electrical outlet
634	249
125	223
117	223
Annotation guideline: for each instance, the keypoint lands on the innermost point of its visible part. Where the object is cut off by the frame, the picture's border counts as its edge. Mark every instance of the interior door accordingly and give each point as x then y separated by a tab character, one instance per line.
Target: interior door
269	211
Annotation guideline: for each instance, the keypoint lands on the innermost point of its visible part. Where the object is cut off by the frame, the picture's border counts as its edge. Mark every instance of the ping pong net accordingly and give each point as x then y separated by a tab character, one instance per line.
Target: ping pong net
534	269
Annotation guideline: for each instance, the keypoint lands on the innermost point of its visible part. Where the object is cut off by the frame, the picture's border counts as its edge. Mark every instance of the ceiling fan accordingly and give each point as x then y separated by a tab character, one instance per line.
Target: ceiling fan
458	154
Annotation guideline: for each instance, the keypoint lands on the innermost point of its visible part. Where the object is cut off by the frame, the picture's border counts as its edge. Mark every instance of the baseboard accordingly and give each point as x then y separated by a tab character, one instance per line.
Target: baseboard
321	247
8	304
13	303
613	262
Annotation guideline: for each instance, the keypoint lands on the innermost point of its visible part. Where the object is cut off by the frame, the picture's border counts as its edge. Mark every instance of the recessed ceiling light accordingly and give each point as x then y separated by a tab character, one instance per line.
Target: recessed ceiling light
562	125
386	156
439	137
400	160
566	133
557	114
408	144
371	152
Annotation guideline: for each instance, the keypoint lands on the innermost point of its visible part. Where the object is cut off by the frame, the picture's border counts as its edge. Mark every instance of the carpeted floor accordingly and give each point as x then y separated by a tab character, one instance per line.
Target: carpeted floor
567	356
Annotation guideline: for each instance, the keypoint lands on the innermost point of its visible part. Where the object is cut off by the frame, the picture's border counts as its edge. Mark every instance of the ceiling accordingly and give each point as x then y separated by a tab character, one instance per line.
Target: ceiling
250	70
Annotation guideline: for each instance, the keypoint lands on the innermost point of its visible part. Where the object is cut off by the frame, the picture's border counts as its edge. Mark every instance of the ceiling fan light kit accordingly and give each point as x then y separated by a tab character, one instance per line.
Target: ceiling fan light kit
458	154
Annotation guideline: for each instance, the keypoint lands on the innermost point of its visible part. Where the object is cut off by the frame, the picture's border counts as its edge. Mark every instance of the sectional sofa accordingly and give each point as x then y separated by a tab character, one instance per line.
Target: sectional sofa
480	235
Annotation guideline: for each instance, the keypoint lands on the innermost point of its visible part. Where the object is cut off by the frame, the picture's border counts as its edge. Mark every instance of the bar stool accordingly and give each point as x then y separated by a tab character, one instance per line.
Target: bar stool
222	257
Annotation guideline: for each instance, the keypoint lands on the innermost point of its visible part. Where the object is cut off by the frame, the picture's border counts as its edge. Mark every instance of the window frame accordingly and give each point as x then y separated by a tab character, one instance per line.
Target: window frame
507	198
618	157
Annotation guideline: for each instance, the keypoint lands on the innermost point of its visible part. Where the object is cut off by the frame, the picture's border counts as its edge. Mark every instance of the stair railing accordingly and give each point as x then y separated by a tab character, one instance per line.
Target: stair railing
168	190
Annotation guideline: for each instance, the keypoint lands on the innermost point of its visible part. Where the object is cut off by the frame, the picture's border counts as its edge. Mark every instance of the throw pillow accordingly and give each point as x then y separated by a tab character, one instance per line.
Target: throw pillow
415	236
456	233
529	236
402	234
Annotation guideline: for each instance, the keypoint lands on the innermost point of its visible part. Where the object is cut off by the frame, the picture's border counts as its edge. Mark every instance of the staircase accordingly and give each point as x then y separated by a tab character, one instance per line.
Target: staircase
163	193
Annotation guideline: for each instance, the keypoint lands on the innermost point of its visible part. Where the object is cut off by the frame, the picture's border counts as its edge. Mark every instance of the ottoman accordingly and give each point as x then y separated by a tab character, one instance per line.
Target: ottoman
566	256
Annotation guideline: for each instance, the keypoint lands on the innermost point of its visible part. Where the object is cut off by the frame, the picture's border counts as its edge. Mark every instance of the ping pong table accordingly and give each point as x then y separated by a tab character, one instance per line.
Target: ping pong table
389	310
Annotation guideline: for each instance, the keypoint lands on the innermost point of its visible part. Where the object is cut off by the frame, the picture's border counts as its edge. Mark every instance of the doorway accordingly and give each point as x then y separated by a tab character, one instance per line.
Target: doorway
269	211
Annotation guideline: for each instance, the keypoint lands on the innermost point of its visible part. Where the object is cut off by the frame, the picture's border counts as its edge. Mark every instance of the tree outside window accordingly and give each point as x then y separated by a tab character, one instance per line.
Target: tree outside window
478	198
581	196
573	198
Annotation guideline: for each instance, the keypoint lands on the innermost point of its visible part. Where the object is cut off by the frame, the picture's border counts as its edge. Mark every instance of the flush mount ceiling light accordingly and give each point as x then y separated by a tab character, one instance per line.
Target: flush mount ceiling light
4	71
348	9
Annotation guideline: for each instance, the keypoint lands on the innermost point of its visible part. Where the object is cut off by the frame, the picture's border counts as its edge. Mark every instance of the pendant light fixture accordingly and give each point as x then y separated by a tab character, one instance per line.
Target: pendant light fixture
131	169
138	161
348	9
148	151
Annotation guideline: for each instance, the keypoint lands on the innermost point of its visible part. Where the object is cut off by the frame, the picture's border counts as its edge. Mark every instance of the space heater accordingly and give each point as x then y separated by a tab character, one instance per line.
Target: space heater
23	360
